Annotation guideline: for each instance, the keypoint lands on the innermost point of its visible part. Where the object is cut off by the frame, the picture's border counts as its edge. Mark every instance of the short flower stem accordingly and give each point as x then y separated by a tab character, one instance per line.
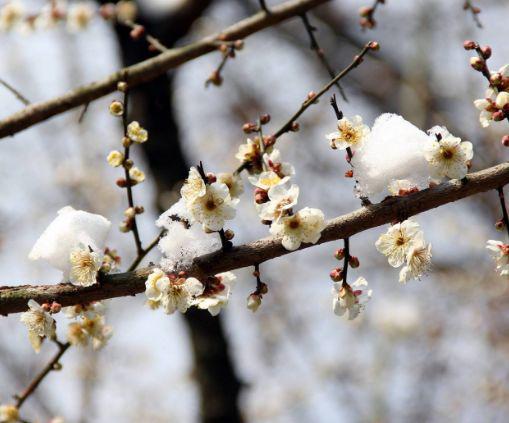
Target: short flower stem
346	244
32	386
504	208
258	279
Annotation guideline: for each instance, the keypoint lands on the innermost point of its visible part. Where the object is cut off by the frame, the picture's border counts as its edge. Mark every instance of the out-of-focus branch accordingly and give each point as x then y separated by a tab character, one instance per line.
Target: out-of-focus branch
16	93
14	299
474	10
149	69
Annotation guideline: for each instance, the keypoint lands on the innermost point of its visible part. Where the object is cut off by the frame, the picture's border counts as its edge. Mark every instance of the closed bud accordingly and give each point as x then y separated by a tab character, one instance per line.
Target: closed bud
496	78
123	227
349	174
128	164
122	86
121	182
263	288
486	52
269	140
261	198
354	262
265	118
498	116
374	45
130	212
469	45
499	225
229	234
126	142
139	209
238	44
336	274
215	78
295	126
249	127
505	140
339	254
311	95
211	178
254	302
55	307
137	32
365	11
477	63
116	108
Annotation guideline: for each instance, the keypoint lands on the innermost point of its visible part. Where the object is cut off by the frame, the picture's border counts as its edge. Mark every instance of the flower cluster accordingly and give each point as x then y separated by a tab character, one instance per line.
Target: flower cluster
275	197
403	243
174	292
76	16
88	325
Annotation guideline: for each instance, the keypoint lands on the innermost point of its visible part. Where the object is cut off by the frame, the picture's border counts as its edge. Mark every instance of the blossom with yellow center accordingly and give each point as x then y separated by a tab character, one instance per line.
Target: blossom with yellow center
267	180
85	264
136	133
115	158
250	154
39	323
418	261
233	182
181	294
398	240
350	133
214	207
304	226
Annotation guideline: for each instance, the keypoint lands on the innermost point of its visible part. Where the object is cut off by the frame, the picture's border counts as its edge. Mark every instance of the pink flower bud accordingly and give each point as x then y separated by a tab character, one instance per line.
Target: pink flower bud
339	254
336	274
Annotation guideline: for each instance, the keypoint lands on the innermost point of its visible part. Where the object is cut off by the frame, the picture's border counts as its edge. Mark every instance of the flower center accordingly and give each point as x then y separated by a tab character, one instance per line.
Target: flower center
400	241
446	153
210	204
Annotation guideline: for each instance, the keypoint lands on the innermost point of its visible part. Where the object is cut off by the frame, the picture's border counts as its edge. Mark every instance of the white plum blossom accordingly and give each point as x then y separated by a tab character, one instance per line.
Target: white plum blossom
500	253
392	151
216	294
249	152
398	240
281	199
447	156
418	261
171	293
136	133
136	175
273	162
254	301
11	15
487	107
115	158
350	298
73	243
9	413
39	323
214	207
304	226
267	180
89	325
194	187
233	182
79	16
350	133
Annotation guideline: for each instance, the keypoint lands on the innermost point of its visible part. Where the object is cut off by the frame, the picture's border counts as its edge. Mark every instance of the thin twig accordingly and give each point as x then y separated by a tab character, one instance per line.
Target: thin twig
346	245
503	207
83	113
52	365
16	93
152	41
474	10
141	255
310	29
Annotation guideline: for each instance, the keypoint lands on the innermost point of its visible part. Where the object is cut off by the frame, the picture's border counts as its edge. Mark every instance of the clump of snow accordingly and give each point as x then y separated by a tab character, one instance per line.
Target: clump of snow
392	151
71	229
184	239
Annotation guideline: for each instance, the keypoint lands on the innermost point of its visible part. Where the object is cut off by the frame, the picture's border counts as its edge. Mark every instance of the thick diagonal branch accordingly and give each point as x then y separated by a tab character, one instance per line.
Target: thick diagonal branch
151	68
14	299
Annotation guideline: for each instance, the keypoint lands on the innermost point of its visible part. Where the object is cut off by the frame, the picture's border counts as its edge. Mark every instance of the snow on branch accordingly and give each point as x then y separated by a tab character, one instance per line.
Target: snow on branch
150	69
14	299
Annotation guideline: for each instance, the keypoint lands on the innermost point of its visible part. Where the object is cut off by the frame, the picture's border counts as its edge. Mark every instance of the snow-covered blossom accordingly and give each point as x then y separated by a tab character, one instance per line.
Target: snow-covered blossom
11	14
281	199
216	294
350	133
250	155
304	226
392	151
350	298
273	162
398	240
115	158
418	261
233	182
70	231
449	156
267	180
500	253
9	413
39	323
89	325
85	264
214	207
172	294
79	16
194	186
136	175
136	133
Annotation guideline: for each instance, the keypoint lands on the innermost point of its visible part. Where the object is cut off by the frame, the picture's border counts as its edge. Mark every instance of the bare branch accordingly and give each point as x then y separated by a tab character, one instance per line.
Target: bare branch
16	93
14	299
151	68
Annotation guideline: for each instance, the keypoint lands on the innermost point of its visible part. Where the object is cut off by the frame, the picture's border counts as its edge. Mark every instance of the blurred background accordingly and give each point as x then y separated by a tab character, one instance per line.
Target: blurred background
431	351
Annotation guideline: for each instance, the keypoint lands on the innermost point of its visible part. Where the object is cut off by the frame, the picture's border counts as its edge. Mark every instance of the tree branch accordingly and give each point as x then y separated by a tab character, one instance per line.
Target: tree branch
149	69
14	299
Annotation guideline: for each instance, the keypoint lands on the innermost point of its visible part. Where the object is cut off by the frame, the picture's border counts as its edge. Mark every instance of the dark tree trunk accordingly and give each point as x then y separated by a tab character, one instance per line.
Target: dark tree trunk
152	106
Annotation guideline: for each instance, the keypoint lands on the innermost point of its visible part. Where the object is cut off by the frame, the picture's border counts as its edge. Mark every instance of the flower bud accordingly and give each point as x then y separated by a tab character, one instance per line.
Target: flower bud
238	44
223	48
365	11
249	127
263	288
46	307
137	32
505	140
269	140
339	254
354	262
477	63
295	126
349	174
211	178
469	45
128	164
139	209
486	52
229	234
130	212
122	86
121	182
496	78
374	45
498	116
502	99
116	108
254	301
55	307
336	274
215	78
124	227
265	118
126	142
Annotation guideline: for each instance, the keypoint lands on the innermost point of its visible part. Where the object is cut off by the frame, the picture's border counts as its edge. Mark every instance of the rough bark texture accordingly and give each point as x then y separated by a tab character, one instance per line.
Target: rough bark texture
150	69
14	299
